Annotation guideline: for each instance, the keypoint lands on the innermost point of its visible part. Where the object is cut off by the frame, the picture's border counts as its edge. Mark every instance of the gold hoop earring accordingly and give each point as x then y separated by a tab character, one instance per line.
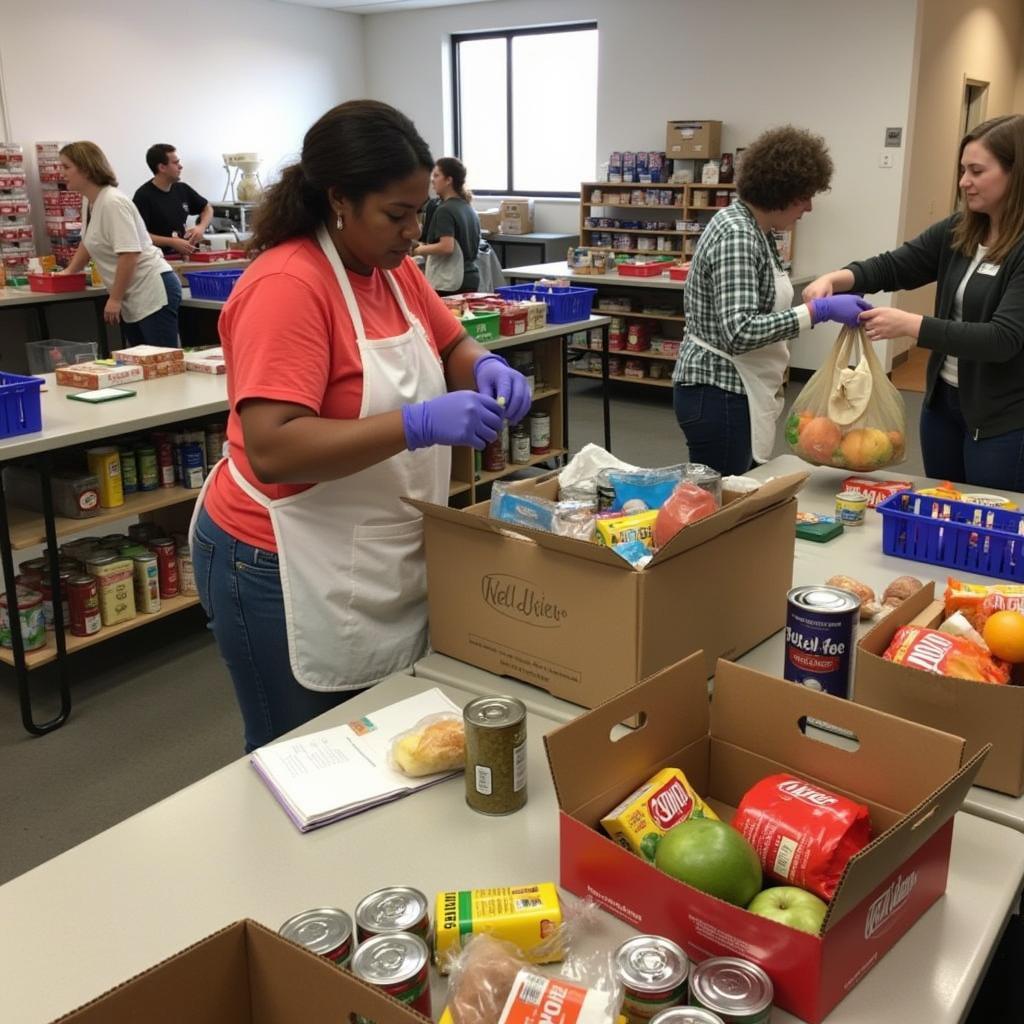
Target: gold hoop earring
341	222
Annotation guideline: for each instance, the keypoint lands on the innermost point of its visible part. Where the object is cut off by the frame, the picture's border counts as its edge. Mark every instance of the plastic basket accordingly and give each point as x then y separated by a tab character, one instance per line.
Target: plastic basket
212	284
56	283
20	411
957	534
565	305
655	269
217	255
482	326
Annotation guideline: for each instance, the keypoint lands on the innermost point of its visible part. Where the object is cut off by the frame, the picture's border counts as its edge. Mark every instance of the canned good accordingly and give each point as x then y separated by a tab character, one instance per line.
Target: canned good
851	507
115	583
523	361
146	576
540	433
114	540
186	572
519	445
193	465
33	567
737	990
687	1015
29	616
493	460
821	628
146	464
165	464
605	490
167	565
216	438
398	908
325	931
495	754
105	464
652	971
84	606
129	470
399	964
131	549
143	533
44	588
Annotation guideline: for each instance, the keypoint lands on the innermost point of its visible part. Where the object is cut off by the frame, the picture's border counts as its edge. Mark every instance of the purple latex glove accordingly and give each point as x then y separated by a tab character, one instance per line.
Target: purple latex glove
495	378
841	309
459	417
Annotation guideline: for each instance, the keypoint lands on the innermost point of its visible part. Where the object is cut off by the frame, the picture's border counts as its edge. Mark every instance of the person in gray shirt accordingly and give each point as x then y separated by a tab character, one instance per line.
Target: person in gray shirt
454	223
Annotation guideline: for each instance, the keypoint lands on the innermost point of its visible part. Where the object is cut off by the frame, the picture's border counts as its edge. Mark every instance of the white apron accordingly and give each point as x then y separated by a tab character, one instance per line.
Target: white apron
762	372
350	551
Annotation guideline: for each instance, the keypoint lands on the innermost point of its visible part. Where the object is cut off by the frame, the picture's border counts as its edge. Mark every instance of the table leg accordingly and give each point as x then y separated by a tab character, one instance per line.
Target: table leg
44	329
101	326
605	390
565	392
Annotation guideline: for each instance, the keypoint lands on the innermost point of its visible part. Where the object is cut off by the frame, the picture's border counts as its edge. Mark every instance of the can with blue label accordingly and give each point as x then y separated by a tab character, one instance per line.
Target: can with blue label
821	633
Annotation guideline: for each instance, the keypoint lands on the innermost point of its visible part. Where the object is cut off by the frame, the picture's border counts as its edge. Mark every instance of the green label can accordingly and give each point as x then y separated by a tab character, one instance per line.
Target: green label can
495	754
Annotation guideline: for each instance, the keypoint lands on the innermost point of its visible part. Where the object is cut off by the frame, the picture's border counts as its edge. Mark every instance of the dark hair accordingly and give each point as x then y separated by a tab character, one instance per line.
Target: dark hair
356	148
91	161
1003	137
452	167
158	154
782	166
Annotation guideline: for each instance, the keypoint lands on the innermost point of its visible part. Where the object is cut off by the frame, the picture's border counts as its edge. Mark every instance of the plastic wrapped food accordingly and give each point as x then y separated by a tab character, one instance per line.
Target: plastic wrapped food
621	529
686	505
434	744
869	606
706	478
900	589
933	651
521	509
643	489
803	834
574	519
979	601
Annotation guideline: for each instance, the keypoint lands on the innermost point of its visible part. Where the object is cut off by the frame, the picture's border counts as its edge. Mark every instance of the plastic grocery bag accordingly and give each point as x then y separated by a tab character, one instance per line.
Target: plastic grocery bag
849	417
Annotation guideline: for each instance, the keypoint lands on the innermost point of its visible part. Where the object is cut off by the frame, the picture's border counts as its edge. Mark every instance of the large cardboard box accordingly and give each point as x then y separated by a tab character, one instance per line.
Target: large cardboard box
243	974
490	220
693	140
516	216
576	619
912	779
980	712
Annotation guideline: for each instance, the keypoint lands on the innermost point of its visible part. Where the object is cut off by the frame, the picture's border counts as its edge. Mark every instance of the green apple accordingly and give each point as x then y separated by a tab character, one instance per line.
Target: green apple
790	905
711	856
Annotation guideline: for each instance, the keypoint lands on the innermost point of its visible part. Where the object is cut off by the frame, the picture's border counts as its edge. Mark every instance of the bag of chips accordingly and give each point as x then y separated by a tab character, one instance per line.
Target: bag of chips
945	655
978	601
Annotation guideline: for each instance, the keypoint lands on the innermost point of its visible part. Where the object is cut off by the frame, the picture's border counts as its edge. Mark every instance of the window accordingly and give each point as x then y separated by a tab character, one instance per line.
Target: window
513	130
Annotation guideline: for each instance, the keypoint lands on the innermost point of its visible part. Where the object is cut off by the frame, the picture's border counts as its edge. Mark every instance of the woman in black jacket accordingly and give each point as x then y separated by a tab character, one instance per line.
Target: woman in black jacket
972	420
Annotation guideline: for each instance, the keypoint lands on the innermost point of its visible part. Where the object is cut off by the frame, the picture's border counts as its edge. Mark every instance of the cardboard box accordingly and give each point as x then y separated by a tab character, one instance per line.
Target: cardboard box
92	376
913	780
490	220
516	216
578	620
980	712
243	974
693	140
155	360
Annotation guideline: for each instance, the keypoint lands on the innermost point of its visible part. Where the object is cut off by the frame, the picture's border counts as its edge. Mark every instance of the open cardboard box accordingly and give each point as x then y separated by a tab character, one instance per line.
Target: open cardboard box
243	974
911	778
980	712
579	621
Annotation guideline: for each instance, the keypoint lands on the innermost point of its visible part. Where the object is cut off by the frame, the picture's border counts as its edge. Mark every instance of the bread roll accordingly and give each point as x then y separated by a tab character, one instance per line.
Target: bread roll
439	746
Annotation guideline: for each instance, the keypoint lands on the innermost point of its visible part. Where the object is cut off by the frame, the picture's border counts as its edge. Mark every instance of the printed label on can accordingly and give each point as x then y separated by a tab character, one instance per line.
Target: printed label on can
820	636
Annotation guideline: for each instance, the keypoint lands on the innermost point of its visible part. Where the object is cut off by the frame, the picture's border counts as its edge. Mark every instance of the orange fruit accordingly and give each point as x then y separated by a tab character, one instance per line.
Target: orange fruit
1004	634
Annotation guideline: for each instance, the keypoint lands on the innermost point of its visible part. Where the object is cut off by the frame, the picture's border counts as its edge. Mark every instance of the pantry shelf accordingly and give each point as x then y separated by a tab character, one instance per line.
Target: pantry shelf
627	353
632	206
644	231
487	477
667	383
642	316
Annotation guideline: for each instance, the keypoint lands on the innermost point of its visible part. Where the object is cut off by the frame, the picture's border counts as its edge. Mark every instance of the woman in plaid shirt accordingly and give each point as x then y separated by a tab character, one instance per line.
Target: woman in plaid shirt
739	318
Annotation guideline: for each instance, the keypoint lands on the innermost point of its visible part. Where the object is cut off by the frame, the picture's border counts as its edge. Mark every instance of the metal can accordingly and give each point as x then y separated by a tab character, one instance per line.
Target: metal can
398	908
652	971
44	588
29	617
84	605
605	490
146	464
165	464
193	465
686	1015
33	567
540	433
737	990
167	565
494	456
147	582
821	630
115	583
325	931
495	754
216	438
143	533
129	470
399	964
522	360
186	572
519	445
851	507
105	464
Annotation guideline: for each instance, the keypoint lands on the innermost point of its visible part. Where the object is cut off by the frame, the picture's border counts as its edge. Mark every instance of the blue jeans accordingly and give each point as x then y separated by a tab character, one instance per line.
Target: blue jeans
717	427
951	453
161	327
240	590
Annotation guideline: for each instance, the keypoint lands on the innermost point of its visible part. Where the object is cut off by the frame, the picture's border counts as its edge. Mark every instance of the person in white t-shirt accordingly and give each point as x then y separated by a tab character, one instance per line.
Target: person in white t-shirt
144	292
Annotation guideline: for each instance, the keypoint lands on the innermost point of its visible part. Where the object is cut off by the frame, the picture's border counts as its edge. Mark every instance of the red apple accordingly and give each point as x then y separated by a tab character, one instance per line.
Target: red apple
711	856
790	905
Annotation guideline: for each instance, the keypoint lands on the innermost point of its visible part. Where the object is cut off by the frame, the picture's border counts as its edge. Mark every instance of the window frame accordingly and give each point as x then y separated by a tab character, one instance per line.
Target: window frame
508	35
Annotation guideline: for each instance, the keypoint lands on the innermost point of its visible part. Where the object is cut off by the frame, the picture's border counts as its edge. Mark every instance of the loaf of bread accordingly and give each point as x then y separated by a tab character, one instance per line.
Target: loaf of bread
439	746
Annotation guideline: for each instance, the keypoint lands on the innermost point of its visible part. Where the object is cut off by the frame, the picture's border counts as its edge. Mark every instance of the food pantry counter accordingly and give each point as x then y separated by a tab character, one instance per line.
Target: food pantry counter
223	849
39	301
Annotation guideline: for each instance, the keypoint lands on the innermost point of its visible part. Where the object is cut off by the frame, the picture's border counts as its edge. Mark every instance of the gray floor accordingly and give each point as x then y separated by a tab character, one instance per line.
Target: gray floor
154	711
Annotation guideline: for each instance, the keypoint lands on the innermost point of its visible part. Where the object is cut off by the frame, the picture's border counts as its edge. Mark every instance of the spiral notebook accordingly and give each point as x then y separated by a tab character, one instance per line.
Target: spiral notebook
325	776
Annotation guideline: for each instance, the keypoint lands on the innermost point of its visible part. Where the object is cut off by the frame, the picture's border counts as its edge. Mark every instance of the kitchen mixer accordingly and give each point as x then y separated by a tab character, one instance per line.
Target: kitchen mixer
243	185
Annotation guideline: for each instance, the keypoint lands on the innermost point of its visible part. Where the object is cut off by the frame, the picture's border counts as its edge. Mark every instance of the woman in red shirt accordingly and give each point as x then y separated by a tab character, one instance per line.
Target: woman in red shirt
348	381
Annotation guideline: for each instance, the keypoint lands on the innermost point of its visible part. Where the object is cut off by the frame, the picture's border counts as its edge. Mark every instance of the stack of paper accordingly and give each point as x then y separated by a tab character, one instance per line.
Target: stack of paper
329	775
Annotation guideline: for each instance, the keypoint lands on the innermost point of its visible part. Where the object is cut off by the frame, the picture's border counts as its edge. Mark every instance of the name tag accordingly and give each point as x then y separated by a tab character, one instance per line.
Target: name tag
988	269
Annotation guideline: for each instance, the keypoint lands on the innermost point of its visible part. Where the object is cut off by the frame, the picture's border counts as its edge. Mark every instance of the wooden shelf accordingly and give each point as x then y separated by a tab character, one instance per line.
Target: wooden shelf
641	316
645	231
486	476
27	529
631	206
548	392
624	352
629	184
458	487
661	383
640	252
700	184
43	656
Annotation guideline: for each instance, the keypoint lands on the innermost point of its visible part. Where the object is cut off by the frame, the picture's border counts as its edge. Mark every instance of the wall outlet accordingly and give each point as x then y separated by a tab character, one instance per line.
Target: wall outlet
885	159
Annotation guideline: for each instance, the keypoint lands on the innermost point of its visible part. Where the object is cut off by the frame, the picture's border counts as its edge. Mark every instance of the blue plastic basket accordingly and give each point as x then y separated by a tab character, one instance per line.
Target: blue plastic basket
565	305
212	284
976	538
20	411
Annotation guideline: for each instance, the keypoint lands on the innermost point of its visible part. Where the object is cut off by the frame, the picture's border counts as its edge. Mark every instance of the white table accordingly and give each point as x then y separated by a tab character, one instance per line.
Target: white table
222	849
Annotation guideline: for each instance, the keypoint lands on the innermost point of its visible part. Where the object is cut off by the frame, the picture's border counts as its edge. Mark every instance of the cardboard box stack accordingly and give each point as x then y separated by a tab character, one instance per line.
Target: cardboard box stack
61	206
209	360
17	237
98	374
516	216
155	360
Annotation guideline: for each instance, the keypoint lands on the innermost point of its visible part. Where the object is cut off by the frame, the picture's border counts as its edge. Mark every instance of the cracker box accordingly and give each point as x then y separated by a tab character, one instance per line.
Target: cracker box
912	779
206	361
99	374
876	491
155	360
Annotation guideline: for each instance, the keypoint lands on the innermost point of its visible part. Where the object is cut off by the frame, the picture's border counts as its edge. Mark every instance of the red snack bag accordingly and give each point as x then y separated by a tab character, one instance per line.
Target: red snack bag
945	655
685	505
803	834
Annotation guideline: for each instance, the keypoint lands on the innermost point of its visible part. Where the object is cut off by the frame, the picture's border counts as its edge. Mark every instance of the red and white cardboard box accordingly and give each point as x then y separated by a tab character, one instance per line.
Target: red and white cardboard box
155	360
876	491
912	779
92	376
210	360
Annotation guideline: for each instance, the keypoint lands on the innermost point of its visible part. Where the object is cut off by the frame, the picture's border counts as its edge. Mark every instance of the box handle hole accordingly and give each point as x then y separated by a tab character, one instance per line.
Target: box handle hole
828	734
924	817
628	726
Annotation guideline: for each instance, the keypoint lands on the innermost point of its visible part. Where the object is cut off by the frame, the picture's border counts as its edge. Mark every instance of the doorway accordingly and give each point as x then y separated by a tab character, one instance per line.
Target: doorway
972	112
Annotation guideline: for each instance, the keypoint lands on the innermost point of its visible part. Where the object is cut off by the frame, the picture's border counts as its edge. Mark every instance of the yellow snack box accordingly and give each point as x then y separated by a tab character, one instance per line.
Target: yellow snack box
667	799
622	529
525	915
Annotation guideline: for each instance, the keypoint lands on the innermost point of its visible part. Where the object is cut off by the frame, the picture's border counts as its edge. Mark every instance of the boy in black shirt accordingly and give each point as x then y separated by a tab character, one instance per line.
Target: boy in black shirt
166	201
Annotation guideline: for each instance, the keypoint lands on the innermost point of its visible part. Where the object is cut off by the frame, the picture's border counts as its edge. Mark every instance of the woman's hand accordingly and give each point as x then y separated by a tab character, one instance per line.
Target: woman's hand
841	309
819	288
112	311
884	322
508	387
